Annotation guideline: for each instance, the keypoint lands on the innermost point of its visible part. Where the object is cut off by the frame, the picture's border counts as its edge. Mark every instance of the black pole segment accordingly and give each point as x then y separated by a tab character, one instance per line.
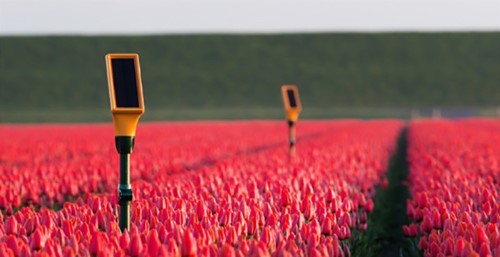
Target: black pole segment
291	136
291	133
124	199
124	170
124	146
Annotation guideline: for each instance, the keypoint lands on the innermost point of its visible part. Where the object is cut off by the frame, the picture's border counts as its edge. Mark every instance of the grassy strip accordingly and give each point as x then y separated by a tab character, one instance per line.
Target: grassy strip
47	115
187	113
384	236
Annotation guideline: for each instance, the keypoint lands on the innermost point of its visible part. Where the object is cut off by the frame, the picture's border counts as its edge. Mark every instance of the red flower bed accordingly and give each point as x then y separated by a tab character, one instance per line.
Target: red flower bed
200	189
454	181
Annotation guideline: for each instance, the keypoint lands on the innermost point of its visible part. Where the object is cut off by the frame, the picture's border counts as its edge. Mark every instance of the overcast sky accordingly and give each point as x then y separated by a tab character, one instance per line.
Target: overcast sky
244	16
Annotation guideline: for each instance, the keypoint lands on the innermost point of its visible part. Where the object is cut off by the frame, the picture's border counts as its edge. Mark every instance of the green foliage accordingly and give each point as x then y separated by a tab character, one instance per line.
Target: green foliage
220	71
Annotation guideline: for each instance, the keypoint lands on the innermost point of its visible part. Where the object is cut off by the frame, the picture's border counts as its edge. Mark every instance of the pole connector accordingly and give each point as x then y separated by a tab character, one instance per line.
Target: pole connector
124	144
125	194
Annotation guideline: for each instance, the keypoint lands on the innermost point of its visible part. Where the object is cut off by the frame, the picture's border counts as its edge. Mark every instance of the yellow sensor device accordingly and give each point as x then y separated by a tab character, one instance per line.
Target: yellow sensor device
125	92
291	101
127	106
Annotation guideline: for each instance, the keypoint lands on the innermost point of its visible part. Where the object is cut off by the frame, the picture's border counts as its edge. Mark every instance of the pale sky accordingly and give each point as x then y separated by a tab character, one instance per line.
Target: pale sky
19	17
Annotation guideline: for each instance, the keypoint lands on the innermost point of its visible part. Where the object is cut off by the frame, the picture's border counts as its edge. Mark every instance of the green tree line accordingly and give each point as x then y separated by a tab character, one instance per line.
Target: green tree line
227	71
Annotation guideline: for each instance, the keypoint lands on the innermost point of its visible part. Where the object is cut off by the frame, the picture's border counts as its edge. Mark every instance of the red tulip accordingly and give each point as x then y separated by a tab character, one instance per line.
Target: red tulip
200	210
258	249
484	250
11	226
25	251
37	240
227	251
426	226
314	253
286	199
369	206
480	237
422	200
4	251
448	247
136	247
345	232
154	244
326	227
188	246
422	245
11	243
96	245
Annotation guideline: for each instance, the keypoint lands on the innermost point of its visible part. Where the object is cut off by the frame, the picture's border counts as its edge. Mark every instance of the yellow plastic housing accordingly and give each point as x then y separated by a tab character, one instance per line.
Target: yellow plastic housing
125	124
291	113
125	119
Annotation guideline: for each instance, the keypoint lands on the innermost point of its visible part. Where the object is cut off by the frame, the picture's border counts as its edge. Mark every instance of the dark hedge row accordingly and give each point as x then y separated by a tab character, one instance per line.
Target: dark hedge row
332	70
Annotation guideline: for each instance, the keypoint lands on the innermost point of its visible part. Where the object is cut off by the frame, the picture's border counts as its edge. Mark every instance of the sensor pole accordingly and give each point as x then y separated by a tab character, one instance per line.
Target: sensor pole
291	136
124	146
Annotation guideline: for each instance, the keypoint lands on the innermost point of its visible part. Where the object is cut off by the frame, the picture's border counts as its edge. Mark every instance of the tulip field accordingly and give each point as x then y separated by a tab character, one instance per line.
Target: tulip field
230	188
454	181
